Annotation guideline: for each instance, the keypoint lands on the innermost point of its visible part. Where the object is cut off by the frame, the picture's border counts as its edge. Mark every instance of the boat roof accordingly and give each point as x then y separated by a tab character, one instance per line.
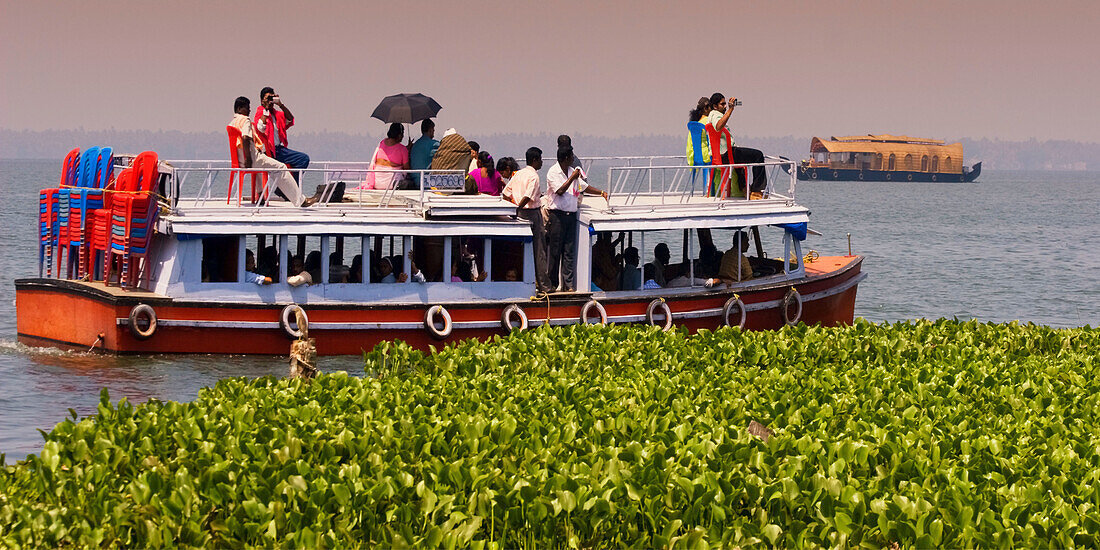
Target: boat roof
896	145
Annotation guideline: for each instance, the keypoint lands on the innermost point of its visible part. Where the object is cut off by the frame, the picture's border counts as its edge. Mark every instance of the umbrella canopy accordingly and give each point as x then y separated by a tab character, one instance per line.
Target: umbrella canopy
406	108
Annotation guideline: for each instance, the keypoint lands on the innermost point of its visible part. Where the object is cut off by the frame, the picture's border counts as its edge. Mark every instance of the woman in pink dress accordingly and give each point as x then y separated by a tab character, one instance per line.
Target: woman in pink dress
390	155
486	177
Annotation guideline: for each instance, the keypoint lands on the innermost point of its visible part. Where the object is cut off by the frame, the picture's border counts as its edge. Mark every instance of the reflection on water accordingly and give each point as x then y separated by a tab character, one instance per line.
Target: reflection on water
1012	246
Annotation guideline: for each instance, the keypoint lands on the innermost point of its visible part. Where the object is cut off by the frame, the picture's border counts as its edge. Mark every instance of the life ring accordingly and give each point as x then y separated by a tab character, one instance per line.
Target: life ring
861	176
910	177
587	308
136	314
288	316
933	177
430	319
889	177
785	306
813	175
507	322
836	174
727	309
652	308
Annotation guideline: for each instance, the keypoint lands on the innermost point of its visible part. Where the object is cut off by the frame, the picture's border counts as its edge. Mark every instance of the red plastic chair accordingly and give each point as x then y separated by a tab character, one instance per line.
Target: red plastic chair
716	158
48	209
134	209
237	173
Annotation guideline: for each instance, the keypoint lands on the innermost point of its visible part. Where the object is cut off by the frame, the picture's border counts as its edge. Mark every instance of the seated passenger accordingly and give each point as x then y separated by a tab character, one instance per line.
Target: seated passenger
390	156
385	271
423	150
730	266
475	153
511	275
453	153
355	273
606	265
661	256
484	179
631	277
313	266
268	265
649	272
272	120
250	270
298	276
251	153
337	271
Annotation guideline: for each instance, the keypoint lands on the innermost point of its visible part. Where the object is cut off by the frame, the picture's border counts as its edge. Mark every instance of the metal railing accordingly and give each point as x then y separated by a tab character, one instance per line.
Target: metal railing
214	178
661	179
679	184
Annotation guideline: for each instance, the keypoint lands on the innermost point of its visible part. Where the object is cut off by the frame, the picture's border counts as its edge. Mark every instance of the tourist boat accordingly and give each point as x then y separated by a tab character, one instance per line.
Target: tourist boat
186	288
886	158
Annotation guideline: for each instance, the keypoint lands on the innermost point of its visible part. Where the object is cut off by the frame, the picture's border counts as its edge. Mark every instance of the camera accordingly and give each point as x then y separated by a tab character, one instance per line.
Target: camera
737	103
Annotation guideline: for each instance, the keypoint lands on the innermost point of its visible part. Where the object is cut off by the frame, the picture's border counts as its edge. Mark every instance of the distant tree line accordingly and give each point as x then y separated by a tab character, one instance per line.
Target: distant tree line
53	144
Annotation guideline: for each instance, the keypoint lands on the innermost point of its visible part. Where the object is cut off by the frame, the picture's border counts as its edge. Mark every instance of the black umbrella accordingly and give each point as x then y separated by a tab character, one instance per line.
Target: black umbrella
406	108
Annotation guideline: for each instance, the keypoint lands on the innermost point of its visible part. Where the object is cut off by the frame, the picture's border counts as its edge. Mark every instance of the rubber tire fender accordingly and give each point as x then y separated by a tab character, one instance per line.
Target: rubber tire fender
429	322
587	308
285	320
136	313
792	296
727	309
506	318
652	308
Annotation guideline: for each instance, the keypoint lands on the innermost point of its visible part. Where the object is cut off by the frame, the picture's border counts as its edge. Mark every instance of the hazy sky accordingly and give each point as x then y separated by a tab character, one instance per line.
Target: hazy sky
948	69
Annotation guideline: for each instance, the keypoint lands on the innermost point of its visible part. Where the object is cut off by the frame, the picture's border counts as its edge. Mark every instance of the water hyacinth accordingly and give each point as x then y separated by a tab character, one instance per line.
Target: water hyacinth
921	434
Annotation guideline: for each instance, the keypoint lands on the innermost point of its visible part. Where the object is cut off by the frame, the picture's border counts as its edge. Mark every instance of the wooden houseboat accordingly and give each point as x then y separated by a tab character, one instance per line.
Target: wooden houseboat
190	286
886	158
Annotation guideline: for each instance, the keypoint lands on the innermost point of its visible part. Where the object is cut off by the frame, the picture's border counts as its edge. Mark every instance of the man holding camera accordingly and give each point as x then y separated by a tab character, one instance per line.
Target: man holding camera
272	120
718	119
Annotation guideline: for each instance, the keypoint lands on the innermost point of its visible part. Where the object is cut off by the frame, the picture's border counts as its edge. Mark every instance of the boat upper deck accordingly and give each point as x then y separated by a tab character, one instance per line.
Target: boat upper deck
645	193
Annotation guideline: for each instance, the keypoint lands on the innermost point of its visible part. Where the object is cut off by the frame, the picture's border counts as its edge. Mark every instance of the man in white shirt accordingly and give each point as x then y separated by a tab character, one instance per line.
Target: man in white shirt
250	154
524	190
563	194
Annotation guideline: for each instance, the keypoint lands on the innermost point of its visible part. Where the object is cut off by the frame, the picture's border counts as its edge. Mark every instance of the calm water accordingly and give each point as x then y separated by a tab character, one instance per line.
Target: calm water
1015	245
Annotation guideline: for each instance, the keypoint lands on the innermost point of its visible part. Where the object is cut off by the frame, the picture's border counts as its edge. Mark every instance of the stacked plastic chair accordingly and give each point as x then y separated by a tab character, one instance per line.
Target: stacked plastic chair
236	172
48	213
68	230
134	211
96	167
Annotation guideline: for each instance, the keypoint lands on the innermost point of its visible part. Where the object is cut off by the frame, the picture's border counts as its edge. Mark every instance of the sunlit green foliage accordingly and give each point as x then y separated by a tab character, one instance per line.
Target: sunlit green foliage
924	434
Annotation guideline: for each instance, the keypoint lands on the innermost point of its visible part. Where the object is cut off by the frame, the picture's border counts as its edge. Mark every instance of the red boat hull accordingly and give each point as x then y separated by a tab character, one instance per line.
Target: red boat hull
83	316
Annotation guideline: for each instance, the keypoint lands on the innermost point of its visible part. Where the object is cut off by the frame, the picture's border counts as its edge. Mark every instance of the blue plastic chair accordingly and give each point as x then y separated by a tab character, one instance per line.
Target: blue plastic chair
697	131
96	165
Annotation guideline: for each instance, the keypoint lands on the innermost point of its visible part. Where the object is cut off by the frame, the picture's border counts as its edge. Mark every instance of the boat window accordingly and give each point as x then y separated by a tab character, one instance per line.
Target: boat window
219	259
631	260
878	162
262	256
947	164
924	163
935	163
908	162
893	162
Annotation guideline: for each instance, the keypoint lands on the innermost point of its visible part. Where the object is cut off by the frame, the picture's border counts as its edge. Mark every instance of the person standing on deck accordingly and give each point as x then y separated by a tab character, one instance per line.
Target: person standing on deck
524	189
251	154
272	119
721	110
423	150
563	194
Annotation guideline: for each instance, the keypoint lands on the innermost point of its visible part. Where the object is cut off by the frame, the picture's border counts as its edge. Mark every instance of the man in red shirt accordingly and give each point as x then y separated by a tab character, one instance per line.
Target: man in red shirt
272	119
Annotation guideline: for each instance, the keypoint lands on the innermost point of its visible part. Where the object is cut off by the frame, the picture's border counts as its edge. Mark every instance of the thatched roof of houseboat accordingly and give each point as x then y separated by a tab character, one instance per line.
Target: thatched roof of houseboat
886	145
